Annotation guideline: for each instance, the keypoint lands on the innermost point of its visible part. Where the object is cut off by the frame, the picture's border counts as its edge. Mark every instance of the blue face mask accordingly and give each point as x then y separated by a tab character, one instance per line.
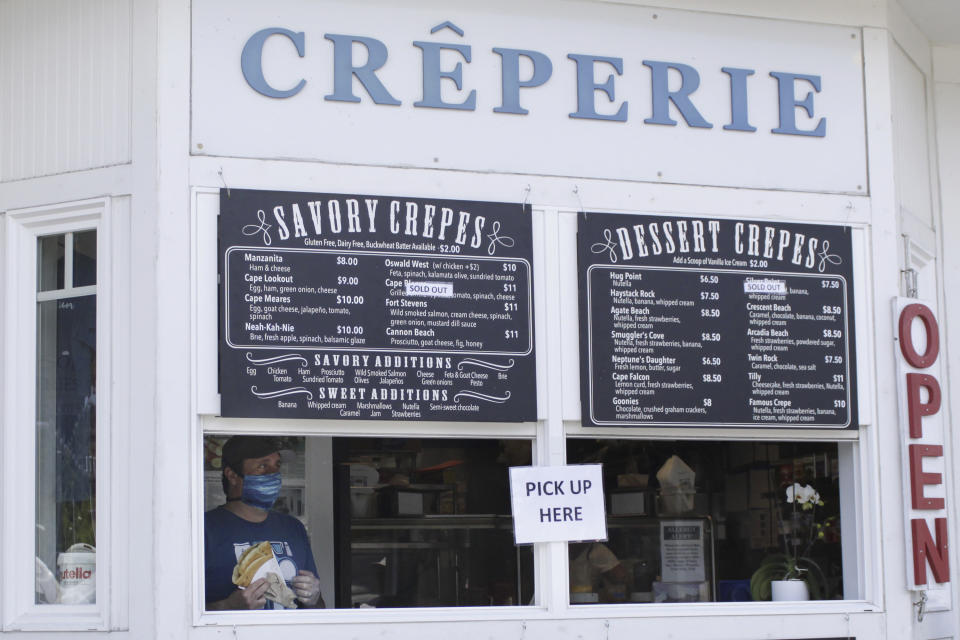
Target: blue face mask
261	491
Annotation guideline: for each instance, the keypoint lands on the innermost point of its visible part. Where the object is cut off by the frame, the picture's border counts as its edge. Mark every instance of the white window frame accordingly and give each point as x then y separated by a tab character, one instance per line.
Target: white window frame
554	237
19	611
206	402
858	543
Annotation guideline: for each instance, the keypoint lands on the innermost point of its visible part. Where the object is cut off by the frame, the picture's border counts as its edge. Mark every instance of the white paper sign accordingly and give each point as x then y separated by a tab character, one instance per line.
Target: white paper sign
681	551
558	504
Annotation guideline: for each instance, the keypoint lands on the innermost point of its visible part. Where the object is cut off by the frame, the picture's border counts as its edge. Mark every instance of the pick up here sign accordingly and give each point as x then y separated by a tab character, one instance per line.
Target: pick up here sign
558	504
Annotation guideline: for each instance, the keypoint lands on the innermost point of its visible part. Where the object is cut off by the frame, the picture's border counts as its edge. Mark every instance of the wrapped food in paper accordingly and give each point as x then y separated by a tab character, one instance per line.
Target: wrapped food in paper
259	562
279	592
677	489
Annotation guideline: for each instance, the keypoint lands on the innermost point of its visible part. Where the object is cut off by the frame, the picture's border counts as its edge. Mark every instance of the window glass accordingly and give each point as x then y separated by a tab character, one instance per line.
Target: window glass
430	523
50	256
84	258
388	522
710	521
66	444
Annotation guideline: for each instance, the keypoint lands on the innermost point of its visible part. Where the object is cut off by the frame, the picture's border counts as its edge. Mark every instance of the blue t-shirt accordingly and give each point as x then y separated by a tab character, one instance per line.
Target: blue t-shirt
226	536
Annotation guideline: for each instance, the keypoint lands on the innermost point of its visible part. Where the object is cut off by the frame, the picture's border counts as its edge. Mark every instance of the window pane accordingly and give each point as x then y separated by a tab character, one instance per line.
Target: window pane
428	523
84	258
50	256
66	451
297	536
696	521
398	522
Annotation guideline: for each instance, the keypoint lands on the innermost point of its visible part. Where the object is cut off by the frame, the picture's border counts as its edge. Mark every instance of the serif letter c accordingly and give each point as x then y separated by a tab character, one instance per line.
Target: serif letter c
251	62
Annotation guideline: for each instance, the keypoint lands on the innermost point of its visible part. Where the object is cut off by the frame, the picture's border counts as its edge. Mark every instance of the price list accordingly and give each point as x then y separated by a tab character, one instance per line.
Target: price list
374	324
721	338
390	302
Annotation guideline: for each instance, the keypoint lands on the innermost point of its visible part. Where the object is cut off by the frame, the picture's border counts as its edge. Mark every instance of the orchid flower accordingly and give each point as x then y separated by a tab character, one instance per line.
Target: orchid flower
804	495
800	531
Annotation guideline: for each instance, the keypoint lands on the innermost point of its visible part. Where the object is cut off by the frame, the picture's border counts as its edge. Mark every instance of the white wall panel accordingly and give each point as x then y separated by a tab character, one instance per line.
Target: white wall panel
64	86
910	137
947	101
616	137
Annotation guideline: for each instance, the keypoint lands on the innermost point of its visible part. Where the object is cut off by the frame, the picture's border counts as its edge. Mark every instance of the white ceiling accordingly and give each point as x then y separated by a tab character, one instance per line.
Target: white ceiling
938	19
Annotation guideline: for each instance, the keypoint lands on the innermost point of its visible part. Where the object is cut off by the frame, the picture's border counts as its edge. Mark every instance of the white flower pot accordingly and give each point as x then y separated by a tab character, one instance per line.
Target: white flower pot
786	590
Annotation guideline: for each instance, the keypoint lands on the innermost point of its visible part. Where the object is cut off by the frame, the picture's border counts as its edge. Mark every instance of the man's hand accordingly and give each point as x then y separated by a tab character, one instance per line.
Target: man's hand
250	598
307	588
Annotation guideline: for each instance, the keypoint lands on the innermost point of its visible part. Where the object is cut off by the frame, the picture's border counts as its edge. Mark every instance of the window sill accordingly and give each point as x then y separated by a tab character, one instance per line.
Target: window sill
573	612
59	618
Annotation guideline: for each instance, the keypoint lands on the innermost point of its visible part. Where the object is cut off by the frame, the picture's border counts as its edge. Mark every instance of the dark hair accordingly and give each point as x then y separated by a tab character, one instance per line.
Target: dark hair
240	448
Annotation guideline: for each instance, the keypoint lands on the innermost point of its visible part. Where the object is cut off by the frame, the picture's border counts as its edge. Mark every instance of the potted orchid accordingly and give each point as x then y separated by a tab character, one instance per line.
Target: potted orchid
793	574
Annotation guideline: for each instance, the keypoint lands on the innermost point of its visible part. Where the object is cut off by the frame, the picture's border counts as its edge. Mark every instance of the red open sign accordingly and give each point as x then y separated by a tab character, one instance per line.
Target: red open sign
928	548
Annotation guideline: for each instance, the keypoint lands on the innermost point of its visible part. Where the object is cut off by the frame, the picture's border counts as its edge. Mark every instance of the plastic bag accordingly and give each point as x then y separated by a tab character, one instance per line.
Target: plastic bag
676	486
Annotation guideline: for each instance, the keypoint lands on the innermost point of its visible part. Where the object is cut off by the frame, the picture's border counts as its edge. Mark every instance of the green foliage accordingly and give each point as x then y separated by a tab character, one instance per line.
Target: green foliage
77	523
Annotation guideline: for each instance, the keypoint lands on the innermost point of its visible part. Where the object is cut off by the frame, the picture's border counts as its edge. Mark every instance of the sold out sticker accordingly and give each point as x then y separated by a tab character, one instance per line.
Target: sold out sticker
432	289
558	504
753	285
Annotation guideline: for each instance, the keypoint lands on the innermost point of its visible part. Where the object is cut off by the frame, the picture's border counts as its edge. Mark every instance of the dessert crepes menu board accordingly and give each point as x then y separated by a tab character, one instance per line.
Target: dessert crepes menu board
703	322
375	307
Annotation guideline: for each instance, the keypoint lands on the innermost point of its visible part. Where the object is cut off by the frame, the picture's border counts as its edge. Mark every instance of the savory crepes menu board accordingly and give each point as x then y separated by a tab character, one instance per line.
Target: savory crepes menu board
375	307
700	322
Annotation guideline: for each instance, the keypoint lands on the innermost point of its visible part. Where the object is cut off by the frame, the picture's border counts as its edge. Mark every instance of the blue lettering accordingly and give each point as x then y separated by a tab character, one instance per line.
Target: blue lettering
789	104
538	70
432	76
344	70
738	99
662	96
510	77
587	87
251	62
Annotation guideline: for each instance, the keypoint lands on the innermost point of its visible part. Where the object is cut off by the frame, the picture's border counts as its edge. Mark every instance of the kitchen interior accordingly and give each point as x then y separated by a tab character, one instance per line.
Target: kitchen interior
425	522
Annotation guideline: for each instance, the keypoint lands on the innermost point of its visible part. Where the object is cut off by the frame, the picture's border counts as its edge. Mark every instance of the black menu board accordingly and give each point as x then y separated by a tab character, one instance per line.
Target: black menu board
699	322
375	307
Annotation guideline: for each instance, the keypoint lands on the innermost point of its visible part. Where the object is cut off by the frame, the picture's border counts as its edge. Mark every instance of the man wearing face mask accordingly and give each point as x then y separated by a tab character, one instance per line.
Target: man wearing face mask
251	482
